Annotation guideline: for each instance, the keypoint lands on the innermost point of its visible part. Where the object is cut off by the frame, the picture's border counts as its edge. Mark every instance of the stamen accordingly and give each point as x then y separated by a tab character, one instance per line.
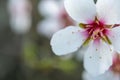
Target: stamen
90	32
106	39
87	41
81	25
109	26
116	25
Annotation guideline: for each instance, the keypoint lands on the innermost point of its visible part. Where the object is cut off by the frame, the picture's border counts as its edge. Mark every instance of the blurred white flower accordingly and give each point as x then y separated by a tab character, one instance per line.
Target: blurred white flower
48	26
97	30
48	8
56	17
20	15
112	74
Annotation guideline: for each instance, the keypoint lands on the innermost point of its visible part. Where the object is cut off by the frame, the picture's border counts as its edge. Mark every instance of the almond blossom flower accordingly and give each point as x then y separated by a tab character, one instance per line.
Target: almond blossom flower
20	15
112	74
97	29
55	15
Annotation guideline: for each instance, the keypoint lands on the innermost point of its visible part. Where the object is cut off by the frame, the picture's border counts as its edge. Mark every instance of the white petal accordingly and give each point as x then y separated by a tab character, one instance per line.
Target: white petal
109	11
109	75
67	40
98	58
48	27
81	11
115	38
48	8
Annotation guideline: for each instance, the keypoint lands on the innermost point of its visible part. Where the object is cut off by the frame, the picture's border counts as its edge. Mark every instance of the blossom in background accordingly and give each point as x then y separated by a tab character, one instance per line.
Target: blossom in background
56	17
97	30
20	15
112	74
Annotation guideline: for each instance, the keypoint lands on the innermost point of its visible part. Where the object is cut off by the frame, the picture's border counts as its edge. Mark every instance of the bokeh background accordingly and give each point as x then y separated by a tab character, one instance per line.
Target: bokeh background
28	55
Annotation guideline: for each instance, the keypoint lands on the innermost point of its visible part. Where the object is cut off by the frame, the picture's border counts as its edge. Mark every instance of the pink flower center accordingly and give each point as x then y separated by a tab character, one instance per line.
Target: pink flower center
96	30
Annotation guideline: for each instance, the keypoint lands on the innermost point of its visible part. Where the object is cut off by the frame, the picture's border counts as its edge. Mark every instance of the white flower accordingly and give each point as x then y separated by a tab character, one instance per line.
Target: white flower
97	30
20	15
56	17
112	74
